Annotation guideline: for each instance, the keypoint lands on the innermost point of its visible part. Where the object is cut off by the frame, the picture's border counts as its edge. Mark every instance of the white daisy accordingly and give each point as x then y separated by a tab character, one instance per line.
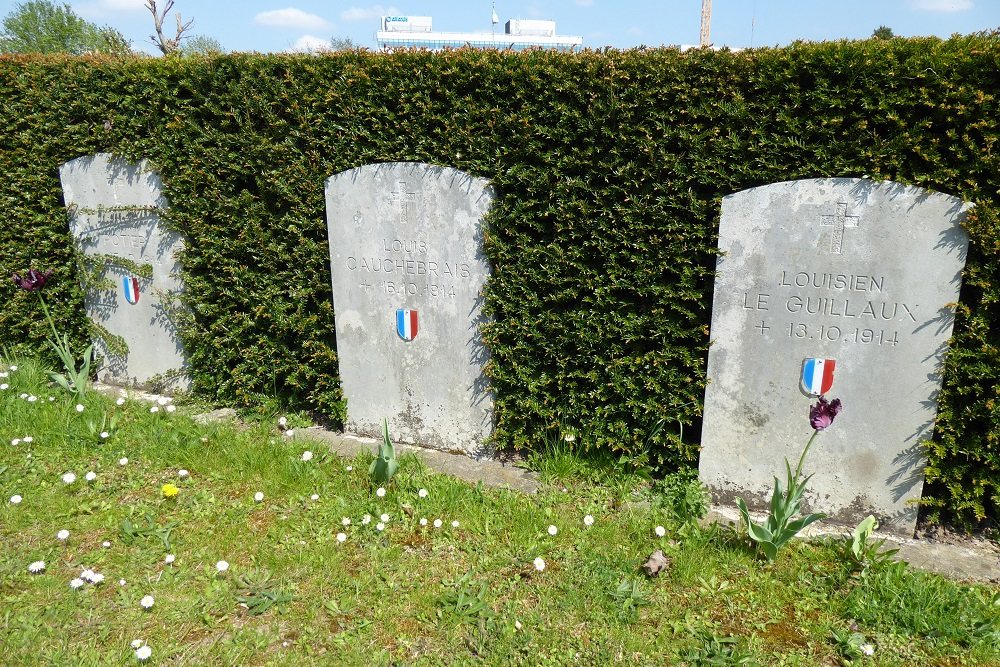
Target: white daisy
422	493
314	496
423	521
170	408
349	468
123	461
346	521
90	476
122	582
69	478
87	575
36	567
79	408
136	643
105	435
182	473
539	563
588	520
660	531
120	401
307	455
4	386
438	523
147	602
15	442
552	530
97	578
283	422
379	526
169	558
341	537
455	524
143	653
106	544
366	519
259	496
28	439
222	566
62	535
384	518
75	583
867	649
154	409
16	499
380	492
32	399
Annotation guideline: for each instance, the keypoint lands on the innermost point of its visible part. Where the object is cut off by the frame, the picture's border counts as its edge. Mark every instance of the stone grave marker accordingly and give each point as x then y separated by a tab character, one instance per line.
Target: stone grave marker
848	274
408	268
114	211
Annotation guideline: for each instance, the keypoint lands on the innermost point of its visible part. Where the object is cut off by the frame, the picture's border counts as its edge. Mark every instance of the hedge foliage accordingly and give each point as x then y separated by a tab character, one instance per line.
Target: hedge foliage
610	168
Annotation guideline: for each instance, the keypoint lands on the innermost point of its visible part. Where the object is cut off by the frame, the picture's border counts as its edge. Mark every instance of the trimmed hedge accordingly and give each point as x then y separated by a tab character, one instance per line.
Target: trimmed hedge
610	168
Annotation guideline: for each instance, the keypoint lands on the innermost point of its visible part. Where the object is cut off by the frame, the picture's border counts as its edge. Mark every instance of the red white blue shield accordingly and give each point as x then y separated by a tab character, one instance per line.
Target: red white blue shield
817	376
130	286
406	323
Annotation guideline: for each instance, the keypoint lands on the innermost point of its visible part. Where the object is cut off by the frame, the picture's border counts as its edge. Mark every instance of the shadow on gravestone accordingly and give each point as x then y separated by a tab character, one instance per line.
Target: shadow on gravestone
852	275
407	267
114	215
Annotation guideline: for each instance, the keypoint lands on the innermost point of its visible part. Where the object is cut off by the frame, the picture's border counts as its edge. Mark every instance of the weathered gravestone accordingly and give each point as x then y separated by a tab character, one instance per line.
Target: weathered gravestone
407	267
114	210
853	275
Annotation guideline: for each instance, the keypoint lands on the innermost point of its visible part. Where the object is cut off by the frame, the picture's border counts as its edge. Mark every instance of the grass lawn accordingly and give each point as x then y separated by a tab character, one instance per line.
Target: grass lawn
318	576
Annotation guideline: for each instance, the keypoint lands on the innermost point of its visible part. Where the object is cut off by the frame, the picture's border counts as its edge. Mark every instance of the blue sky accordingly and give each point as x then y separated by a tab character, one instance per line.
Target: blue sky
281	25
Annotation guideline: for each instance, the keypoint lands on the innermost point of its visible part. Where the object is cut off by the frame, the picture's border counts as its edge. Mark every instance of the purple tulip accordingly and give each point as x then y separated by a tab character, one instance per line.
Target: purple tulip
822	414
33	281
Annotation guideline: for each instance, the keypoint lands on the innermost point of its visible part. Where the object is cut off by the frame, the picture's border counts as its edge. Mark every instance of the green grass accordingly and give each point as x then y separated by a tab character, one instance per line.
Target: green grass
409	594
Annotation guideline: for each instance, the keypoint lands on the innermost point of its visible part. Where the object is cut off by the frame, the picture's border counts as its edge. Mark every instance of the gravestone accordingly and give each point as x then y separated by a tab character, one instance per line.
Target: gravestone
853	276
114	215
408	267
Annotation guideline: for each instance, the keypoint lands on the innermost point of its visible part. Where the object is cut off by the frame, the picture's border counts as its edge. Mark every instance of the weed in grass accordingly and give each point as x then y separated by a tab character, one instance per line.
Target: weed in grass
711	650
630	596
259	594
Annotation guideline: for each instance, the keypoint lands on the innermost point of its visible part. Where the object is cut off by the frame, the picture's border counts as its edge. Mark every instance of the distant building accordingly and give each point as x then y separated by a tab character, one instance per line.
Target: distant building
399	32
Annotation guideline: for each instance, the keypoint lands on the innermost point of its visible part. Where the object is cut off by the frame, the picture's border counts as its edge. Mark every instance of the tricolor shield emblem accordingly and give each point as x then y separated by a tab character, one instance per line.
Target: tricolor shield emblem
130	286
817	376
406	323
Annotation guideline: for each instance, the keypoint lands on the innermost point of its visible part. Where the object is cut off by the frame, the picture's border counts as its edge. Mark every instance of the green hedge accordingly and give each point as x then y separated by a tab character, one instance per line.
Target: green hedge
610	168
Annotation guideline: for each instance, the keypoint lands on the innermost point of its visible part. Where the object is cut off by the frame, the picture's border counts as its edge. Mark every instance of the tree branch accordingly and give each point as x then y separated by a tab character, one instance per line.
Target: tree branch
165	44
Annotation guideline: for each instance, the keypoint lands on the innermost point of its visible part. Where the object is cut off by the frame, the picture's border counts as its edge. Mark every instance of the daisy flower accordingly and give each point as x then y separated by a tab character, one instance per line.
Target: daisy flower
341	537
123	461
349	468
384	518
259	496
154	409
105	435
588	520
69	478
147	602
79	408
552	530
170	408
97	578
16	499
90	476
62	535
143	652
314	496
222	566
106	544
36	567
346	521
15	442
307	455
28	439
422	493
423	522
283	422
660	531
437	523
169	558
182	473
120	401
380	492
366	519
539	563
75	583
136	643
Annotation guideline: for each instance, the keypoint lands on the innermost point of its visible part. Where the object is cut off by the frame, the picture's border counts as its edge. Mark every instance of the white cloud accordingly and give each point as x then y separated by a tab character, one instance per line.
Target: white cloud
942	5
310	44
290	18
368	13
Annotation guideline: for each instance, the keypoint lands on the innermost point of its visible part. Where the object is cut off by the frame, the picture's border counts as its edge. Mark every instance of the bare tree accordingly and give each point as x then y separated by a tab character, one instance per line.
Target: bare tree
162	42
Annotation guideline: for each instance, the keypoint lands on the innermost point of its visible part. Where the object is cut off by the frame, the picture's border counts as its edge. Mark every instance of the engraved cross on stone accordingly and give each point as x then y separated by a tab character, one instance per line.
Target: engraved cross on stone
404	201
839	221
